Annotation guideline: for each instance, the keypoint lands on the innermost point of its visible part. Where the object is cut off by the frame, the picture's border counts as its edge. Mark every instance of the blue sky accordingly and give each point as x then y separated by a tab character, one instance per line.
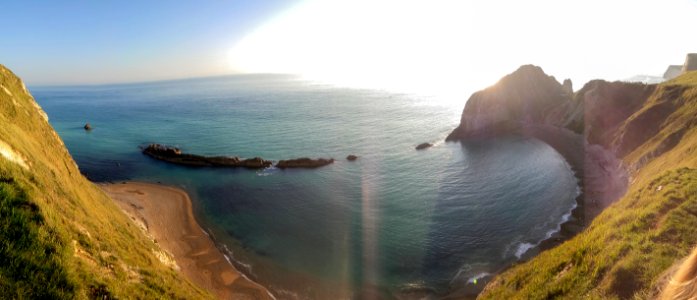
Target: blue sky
73	42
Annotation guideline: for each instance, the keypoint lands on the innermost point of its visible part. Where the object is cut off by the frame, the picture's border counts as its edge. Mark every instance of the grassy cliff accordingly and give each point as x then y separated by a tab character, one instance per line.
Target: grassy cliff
628	250
61	236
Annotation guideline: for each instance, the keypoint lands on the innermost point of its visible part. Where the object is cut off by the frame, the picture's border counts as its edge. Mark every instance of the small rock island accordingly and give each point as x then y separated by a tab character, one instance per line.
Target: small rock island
174	155
304	162
423	146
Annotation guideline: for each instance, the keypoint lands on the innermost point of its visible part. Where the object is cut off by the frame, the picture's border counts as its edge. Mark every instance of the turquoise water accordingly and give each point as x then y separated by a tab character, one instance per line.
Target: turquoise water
395	219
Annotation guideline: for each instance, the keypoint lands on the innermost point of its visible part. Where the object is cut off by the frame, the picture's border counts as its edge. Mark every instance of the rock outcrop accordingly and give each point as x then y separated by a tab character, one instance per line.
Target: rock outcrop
568	86
672	72
647	133
304	162
690	63
526	96
175	155
351	157
677	70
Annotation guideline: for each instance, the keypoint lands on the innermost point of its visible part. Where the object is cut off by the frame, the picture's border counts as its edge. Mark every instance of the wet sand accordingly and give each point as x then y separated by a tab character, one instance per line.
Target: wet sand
165	213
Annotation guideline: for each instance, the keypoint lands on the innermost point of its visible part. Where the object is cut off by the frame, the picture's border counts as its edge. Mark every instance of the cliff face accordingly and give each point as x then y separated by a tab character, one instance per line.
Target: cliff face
636	145
672	72
606	105
61	236
690	63
582	126
528	97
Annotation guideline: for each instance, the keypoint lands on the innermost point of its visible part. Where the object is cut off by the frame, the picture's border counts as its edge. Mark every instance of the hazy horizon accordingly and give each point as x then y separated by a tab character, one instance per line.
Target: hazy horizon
450	47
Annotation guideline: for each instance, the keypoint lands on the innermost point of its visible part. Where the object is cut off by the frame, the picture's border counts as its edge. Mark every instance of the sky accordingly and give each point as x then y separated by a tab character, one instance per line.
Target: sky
106	41
437	45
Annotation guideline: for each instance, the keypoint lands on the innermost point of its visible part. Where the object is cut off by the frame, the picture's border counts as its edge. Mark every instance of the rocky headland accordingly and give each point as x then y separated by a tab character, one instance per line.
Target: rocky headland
608	132
582	127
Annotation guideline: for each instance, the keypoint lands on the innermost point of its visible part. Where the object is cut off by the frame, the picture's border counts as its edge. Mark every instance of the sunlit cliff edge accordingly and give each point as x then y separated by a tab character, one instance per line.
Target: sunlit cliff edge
634	149
61	237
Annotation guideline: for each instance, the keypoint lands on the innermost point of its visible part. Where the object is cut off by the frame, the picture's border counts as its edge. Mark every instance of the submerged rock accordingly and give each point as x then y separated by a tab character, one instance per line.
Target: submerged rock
304	162
424	146
174	155
351	157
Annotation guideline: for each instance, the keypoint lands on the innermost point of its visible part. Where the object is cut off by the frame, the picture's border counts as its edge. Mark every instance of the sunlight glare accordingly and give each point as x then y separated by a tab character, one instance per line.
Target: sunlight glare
455	47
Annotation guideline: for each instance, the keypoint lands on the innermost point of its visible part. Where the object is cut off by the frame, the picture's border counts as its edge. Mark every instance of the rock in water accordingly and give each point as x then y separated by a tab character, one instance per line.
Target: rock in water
304	162
351	157
88	127
162	150
255	163
423	146
174	155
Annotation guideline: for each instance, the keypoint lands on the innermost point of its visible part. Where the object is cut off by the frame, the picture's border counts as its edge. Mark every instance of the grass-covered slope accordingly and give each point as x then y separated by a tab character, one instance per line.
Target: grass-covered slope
627	251
61	237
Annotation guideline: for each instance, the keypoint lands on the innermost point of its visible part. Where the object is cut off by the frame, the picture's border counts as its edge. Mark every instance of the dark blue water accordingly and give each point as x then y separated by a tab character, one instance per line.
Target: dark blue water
396	218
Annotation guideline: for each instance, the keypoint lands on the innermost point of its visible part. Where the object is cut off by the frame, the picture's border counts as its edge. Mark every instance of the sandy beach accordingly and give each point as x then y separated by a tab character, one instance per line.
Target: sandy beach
166	214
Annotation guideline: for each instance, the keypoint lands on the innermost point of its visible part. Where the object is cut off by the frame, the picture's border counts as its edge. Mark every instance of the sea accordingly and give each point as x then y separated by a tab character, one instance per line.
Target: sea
394	223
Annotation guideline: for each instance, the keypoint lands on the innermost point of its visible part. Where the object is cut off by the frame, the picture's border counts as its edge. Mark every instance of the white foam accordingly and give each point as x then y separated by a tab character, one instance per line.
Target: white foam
205	232
522	248
470	273
478	276
525	246
228	257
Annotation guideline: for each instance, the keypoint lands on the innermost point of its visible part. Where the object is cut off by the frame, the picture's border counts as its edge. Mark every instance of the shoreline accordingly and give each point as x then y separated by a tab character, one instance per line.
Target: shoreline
572	222
573	217
165	214
601	179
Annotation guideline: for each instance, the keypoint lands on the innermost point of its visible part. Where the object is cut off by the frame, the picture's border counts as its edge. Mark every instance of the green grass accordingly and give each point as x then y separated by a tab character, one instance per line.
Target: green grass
61	237
622	253
31	253
627	251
